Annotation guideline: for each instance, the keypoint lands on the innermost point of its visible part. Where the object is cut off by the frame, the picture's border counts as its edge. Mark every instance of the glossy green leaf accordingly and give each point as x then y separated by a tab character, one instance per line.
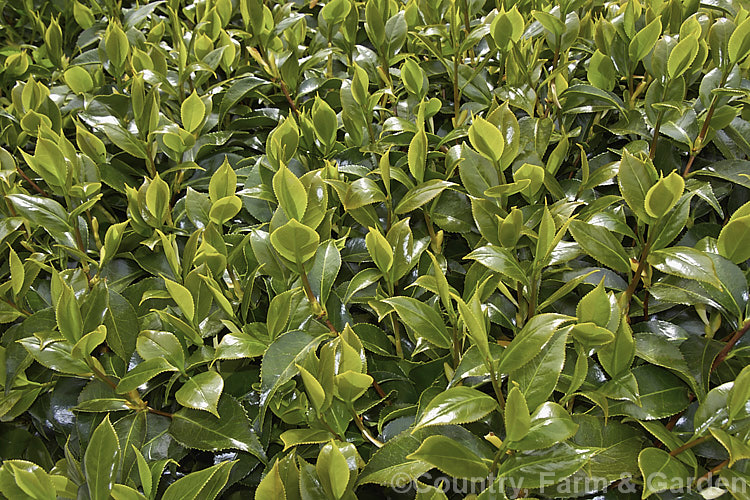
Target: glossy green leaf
657	466
89	342
590	334
417	155
45	213
201	392
421	194
389	466
737	448
500	260
740	393
422	319
295	437
24	479
506	27
271	486
687	263
192	112
333	470
122	325
206	483
517	417
661	395
558	462
379	249
237	346
362	192
601	71
527	342
617	356
350	385
142	373
290	192
739	43
600	244
223	182
635	178
17	272
54	353
225	209
487	139
595	307
538	378
101	460
682	56
182	297
157	198
549	424
314	390
663	195
450	457
203	431
68	314
642	43
281	358
78	79
457	405
122	492
732	242
324	270
295	242
471	315
153	344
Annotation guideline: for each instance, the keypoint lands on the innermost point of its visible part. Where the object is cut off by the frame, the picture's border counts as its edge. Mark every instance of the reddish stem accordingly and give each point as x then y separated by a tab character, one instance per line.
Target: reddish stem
289	99
689	444
729	345
33	184
159	412
705	477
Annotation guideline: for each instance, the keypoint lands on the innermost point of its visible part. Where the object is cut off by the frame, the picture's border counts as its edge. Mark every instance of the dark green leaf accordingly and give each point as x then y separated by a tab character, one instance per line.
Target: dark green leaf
422	319
558	462
600	244
230	430
657	467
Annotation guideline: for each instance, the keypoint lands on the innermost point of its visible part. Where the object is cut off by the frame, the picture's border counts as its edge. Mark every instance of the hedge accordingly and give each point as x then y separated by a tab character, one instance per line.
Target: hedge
380	249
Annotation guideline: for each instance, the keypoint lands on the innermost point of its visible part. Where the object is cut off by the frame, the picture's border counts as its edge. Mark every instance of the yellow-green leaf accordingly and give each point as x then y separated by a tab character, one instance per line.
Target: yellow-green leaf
192	112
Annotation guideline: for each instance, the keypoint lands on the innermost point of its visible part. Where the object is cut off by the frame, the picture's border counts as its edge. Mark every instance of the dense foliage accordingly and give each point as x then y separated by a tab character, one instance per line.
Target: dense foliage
374	249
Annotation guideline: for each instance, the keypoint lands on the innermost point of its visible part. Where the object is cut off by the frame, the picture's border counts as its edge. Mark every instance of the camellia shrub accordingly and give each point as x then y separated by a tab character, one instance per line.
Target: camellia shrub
383	249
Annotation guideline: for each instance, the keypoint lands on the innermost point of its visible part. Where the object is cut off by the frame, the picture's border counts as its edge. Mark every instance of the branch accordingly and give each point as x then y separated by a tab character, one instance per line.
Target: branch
705	477
289	99
159	412
704	129
636	278
16	307
33	184
690	444
729	345
364	431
